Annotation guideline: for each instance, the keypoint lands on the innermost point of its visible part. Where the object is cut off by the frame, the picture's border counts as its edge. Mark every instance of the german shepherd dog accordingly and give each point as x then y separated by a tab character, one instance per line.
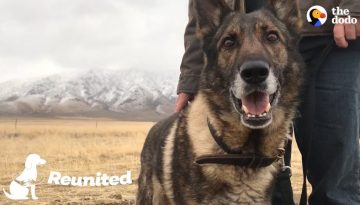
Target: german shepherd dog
226	147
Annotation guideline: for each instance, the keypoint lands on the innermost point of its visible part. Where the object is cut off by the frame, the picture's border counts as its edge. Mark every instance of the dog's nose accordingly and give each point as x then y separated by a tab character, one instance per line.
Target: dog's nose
254	72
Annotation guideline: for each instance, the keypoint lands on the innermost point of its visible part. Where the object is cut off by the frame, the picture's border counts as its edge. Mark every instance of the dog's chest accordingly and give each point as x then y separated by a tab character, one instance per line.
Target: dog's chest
240	195
250	188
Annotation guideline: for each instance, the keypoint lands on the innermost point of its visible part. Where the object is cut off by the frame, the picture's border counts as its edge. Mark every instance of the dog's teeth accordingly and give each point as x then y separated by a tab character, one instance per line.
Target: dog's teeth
268	108
251	115
245	109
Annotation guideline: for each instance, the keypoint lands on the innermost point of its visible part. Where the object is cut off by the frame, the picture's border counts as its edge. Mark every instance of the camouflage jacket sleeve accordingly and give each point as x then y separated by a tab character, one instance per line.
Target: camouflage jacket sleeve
352	5
192	62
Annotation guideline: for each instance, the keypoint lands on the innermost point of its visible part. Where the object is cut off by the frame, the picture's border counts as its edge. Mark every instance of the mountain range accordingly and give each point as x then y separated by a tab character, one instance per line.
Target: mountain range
121	94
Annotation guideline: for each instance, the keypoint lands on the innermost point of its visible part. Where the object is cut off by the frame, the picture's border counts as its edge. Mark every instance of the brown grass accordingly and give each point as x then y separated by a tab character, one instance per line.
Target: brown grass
81	147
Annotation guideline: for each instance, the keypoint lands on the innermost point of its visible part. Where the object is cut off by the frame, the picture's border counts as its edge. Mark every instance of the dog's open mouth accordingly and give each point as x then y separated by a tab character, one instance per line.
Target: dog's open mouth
255	108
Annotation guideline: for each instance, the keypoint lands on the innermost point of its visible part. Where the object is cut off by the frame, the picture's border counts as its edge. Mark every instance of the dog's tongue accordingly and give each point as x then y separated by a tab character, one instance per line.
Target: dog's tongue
256	103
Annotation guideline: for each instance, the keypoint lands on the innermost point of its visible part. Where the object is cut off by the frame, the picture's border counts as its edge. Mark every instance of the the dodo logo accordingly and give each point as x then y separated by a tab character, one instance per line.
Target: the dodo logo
316	16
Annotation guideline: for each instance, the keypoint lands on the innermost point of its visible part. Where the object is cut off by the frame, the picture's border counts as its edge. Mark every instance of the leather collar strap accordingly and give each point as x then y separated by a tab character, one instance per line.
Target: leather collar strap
219	140
237	160
233	157
22	183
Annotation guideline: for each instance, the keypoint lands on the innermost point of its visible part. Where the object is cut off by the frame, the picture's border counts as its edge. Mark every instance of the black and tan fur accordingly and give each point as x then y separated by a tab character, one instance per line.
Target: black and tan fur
168	172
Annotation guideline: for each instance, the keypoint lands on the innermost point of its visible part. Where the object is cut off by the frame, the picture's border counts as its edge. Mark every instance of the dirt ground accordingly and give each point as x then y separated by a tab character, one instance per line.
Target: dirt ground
81	147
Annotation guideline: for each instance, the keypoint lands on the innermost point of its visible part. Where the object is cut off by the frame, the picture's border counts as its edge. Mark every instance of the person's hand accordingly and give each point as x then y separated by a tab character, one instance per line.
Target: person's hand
182	101
345	32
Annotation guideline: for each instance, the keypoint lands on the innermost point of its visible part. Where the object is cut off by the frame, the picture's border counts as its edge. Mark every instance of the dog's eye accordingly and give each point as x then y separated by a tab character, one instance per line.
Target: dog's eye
229	42
272	37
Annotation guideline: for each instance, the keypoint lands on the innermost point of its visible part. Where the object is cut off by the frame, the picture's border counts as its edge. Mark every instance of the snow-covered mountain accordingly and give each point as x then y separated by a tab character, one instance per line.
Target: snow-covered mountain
130	94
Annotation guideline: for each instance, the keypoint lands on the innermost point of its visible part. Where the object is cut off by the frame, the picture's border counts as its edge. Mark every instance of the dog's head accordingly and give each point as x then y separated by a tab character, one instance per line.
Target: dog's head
33	160
252	67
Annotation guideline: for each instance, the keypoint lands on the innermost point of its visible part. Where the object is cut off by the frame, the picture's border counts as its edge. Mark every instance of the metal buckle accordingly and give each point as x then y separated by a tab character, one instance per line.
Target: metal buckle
287	168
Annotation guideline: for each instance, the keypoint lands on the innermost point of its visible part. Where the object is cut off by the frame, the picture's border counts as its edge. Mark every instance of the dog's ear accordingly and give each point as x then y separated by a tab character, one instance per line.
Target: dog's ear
209	14
29	161
287	11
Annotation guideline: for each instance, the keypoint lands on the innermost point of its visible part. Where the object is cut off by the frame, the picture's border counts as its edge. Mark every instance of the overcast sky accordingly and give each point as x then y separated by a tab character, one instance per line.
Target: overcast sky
42	37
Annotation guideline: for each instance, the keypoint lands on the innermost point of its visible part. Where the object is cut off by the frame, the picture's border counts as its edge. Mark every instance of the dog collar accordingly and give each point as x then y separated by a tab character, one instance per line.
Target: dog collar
250	161
219	140
234	157
22	183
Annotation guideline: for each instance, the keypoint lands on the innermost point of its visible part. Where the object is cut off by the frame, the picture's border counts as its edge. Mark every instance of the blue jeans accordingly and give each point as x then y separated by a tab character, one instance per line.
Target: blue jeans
328	124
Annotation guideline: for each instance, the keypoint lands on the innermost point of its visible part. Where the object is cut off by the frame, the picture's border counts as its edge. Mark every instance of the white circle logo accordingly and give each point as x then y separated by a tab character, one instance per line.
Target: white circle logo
316	16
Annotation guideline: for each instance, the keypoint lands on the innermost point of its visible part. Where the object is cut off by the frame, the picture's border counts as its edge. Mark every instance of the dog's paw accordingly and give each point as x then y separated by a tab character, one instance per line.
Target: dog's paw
35	198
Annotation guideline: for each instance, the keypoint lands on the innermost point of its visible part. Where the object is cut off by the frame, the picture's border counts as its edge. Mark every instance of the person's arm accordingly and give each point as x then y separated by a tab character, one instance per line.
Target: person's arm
345	32
191	65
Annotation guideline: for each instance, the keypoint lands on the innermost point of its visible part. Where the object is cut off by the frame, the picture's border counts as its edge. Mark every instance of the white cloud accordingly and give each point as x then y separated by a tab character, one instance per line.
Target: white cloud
40	37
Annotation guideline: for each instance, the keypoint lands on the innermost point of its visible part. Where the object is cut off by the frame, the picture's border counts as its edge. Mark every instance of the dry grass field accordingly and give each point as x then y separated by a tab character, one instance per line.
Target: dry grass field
80	147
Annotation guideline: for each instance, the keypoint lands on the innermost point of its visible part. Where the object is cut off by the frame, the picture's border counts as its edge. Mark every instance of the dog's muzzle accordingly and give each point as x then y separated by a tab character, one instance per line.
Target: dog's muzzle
254	92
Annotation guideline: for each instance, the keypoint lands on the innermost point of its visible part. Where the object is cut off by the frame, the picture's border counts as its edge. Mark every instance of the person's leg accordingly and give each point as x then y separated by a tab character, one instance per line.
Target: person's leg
333	158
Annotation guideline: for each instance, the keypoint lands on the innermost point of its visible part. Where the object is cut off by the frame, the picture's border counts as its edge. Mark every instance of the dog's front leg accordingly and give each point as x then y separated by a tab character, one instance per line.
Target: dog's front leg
33	195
